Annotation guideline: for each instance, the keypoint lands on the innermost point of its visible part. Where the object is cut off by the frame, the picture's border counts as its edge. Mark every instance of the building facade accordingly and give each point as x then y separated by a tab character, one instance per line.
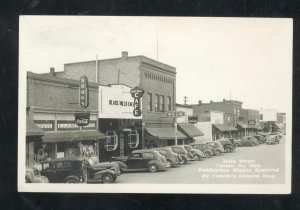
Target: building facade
248	124
281	121
157	79
122	129
268	119
51	106
231	112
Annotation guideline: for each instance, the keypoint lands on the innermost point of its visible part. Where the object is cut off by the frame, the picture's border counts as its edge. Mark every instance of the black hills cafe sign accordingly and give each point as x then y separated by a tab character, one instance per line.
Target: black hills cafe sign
137	94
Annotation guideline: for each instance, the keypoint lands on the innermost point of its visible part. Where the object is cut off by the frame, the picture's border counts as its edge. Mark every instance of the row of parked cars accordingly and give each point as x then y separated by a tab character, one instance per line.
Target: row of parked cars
83	170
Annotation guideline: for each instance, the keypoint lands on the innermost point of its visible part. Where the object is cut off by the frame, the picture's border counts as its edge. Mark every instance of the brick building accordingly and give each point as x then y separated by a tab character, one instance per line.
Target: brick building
157	79
248	122
231	112
51	129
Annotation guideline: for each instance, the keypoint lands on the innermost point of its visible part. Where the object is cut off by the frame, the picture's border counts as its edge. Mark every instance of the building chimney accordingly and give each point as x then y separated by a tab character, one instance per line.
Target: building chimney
52	71
224	99
211	101
199	102
124	54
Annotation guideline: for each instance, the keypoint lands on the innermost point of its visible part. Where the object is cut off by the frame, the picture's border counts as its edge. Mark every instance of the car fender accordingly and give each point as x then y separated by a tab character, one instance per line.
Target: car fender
121	164
155	162
99	174
73	177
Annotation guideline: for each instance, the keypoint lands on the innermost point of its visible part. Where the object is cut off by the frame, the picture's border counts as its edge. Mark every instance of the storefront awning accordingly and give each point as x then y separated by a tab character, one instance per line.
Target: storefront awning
190	130
32	129
277	126
165	133
242	124
73	136
222	127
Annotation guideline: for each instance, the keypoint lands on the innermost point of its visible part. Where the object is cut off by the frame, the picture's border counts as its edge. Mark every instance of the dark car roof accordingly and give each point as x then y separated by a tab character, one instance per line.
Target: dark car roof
63	159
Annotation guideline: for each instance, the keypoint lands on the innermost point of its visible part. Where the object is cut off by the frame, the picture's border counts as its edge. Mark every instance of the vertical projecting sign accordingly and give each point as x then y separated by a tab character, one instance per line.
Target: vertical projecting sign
137	94
83	92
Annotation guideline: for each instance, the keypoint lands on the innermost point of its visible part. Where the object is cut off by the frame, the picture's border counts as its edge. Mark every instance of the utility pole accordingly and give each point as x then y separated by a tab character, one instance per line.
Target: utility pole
185	99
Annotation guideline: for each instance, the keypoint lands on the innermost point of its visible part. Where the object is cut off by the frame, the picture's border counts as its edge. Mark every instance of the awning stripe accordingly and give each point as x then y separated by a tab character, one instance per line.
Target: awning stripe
190	130
222	127
165	133
73	136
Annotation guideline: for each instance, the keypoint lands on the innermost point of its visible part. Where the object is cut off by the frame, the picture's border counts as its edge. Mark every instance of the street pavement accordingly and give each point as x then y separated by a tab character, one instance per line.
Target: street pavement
262	164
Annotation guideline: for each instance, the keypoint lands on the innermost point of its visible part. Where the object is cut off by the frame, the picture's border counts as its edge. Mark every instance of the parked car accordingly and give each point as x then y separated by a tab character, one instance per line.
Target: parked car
217	147
246	141
272	139
179	149
227	145
141	160
203	147
78	169
195	154
33	175
172	158
260	139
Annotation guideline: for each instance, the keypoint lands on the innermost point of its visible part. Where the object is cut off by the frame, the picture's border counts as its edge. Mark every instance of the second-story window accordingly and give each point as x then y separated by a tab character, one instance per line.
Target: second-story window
169	103
156	103
149	101
162	103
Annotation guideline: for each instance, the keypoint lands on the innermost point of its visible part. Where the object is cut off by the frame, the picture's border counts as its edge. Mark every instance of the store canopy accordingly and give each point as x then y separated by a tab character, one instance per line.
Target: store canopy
73	136
32	129
242	124
165	133
190	130
278	126
222	127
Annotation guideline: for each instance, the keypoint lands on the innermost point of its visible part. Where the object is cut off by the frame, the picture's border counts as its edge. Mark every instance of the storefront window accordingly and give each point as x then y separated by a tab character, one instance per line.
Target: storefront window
111	141
134	139
88	149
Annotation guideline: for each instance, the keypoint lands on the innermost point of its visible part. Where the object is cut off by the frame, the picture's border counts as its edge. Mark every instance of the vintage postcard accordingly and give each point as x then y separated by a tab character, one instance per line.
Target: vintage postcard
155	104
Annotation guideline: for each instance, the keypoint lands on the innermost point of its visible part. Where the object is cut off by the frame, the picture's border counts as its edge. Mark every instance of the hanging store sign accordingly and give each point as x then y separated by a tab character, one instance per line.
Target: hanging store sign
82	118
137	94
251	122
193	119
83	92
175	114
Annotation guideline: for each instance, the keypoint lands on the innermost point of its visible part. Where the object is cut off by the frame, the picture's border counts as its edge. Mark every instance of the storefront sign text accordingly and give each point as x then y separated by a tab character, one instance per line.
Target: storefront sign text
66	125
83	92
137	94
175	114
193	119
251	122
120	103
82	118
46	125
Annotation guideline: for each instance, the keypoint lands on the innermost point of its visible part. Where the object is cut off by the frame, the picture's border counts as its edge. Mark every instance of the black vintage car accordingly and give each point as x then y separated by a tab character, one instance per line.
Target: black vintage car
141	160
227	145
78	169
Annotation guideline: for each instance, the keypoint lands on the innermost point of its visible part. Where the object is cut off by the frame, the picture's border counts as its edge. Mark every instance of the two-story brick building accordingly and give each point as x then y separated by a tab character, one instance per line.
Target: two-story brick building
51	128
231	112
248	122
157	79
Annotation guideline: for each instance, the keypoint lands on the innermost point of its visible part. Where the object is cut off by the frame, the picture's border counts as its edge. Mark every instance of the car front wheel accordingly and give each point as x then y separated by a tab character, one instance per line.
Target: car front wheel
153	168
169	163
207	154
197	157
72	180
217	152
107	178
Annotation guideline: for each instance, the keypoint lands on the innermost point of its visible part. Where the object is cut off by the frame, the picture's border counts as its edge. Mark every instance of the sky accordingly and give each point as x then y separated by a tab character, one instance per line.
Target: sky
245	59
